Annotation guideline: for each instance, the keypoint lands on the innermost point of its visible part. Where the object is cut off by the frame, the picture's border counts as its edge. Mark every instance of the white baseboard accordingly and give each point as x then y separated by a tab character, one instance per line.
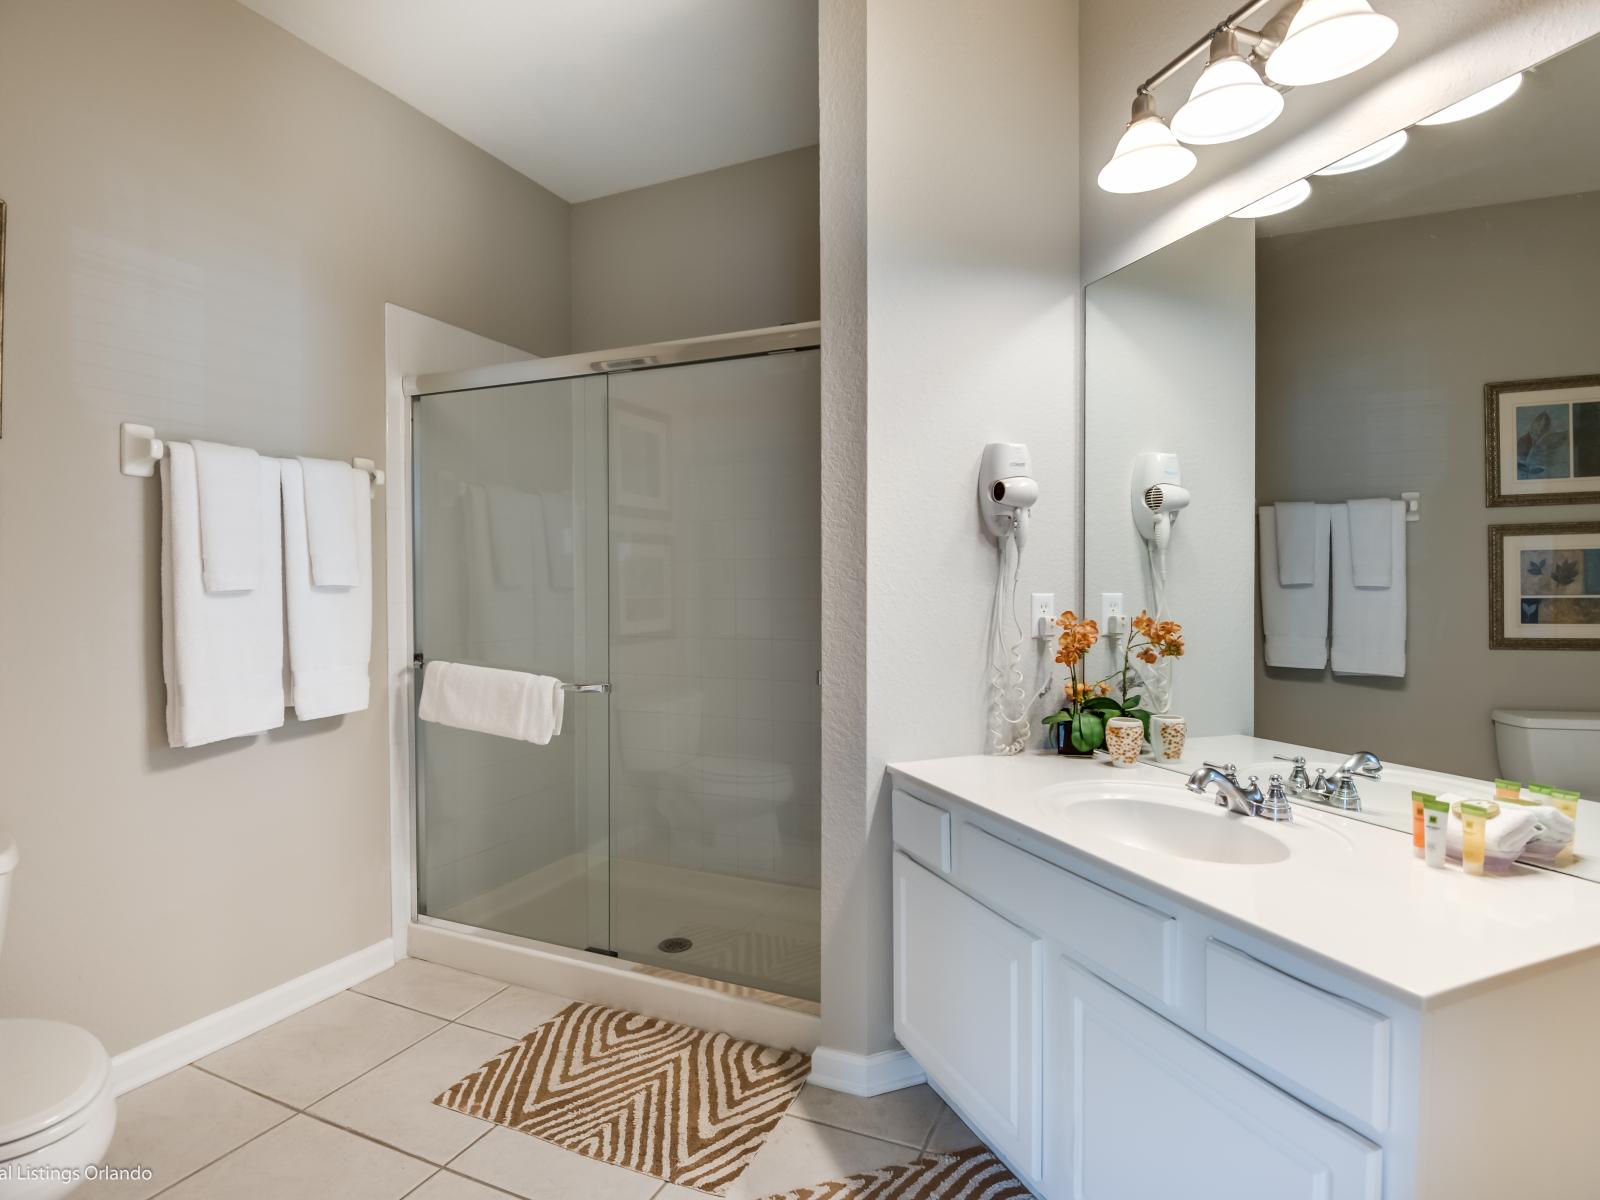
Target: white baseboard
864	1074
167	1053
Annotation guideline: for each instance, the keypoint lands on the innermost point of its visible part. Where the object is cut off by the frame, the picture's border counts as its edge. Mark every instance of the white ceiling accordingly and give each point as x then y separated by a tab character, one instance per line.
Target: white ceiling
587	97
1544	141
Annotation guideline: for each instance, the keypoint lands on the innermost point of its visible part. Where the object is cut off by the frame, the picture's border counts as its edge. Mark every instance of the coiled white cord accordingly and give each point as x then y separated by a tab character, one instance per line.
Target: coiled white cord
1009	701
1157	677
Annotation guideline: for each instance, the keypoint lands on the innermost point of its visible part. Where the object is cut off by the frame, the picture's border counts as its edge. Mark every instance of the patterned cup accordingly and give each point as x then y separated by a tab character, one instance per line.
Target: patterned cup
1124	740
1169	733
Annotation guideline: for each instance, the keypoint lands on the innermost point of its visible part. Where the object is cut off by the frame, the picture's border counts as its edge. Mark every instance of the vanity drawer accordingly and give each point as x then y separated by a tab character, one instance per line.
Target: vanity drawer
1134	945
921	830
1332	1047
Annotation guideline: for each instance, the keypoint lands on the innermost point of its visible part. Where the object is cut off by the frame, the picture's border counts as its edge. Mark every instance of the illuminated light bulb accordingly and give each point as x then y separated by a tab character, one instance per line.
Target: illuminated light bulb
1148	156
1280	201
1381	150
1327	39
1492	96
1229	100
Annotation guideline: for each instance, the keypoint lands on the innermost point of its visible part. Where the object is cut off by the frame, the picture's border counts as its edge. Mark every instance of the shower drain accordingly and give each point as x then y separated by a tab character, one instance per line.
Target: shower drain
674	945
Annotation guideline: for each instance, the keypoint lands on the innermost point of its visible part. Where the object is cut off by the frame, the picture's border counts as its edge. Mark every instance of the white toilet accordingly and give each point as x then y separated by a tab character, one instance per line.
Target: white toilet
57	1111
1552	748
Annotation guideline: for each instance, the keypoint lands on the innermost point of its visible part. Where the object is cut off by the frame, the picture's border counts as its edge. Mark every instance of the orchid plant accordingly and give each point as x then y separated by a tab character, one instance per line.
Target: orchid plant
1086	706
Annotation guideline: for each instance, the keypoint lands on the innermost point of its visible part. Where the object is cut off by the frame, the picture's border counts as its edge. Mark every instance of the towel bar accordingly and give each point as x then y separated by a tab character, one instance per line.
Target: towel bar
142	449
419	662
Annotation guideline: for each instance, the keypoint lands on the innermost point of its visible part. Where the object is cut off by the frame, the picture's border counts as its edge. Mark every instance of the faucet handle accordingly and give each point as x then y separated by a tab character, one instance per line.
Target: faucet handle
1275	806
1298	760
1229	769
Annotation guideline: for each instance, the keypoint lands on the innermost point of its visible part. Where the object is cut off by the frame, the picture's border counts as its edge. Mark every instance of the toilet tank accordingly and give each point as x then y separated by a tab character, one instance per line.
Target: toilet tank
1555	748
8	864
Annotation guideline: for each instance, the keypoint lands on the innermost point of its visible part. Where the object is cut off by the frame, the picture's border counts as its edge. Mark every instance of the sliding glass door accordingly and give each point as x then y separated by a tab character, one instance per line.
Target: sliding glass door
510	571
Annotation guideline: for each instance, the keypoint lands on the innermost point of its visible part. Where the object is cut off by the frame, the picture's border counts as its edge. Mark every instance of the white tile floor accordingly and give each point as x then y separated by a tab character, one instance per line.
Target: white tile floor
338	1101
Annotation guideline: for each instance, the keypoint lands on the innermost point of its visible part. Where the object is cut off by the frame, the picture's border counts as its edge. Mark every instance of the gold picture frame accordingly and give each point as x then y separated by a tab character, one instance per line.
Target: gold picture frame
1548	547
1507	478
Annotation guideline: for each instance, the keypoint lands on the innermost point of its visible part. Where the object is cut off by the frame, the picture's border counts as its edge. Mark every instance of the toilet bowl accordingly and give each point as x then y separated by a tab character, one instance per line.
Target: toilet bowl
1559	749
57	1110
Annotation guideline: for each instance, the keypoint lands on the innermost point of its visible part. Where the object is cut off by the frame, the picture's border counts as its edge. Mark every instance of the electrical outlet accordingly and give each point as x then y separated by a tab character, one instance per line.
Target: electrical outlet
1042	614
1110	606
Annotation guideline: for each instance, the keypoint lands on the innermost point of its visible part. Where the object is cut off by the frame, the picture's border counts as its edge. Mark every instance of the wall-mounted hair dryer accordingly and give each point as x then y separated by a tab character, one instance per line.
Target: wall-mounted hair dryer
1157	495
1006	489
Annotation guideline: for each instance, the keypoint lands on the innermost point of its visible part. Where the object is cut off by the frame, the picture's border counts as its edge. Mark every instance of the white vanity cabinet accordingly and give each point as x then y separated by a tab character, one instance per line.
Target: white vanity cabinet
1067	1022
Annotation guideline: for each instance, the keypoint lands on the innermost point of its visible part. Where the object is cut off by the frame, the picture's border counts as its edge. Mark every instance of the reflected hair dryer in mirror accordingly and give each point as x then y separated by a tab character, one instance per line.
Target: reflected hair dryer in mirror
1157	495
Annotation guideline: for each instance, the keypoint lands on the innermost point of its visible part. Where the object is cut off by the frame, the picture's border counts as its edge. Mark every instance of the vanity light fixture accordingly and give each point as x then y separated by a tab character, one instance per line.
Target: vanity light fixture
1306	42
1492	96
1230	100
1280	201
1148	156
1381	150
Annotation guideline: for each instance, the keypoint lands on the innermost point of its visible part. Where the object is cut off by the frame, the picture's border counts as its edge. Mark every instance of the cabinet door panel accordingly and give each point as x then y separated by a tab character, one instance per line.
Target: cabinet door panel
966	1006
1140	1110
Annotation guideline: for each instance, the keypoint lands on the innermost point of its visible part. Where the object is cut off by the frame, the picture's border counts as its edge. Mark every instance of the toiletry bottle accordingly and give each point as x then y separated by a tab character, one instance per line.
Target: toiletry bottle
1507	789
1418	800
1436	819
1475	816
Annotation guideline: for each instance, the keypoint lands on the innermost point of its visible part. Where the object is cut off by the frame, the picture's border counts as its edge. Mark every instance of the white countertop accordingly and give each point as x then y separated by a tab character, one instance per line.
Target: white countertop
1351	894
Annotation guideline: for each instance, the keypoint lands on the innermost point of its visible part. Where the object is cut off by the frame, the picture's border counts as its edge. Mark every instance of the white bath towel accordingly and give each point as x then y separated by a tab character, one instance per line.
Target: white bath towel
229	483
222	653
330	628
1372	542
509	704
1369	624
330	520
1294	620
1298	542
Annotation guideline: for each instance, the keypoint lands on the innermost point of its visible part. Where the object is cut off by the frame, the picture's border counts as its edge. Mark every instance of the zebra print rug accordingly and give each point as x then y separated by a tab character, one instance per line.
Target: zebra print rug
974	1174
671	1101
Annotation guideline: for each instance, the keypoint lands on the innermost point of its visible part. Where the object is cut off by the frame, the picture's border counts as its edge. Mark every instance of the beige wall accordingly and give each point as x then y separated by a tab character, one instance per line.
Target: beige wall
206	218
1375	342
711	253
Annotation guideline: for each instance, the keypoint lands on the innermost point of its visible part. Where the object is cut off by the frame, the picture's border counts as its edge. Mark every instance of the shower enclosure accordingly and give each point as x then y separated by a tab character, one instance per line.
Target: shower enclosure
646	528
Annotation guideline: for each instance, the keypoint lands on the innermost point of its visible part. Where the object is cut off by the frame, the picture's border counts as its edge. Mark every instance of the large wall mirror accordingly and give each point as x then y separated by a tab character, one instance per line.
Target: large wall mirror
1384	401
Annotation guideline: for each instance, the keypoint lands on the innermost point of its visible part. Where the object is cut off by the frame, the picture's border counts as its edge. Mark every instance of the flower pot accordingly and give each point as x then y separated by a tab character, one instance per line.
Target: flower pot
1061	739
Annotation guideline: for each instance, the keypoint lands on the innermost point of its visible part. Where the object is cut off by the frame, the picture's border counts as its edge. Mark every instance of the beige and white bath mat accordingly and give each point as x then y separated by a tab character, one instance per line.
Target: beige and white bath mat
678	1103
974	1174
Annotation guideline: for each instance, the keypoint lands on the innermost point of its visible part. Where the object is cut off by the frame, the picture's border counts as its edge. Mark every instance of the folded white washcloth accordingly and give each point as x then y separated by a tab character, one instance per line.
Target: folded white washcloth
221	653
509	704
1371	543
229	482
331	489
1298	541
1553	836
330	628
1294	620
1369	624
1505	835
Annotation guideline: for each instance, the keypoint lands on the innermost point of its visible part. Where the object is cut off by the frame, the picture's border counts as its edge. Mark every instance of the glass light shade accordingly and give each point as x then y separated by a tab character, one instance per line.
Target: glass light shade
1370	156
1229	101
1147	157
1479	102
1280	201
1327	39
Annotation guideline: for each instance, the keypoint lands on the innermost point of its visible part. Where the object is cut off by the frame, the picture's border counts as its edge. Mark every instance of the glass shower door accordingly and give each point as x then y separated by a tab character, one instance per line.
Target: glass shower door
510	570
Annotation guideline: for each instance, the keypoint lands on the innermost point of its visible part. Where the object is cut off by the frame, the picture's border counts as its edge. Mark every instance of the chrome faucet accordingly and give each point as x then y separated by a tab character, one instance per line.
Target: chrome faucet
1245	800
1363	763
1299	781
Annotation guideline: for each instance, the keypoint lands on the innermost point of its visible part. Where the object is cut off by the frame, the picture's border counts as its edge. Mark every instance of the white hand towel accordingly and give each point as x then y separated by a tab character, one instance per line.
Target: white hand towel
330	520
1369	624
1372	542
1298	541
330	628
221	653
1505	836
1294	620
229	482
509	704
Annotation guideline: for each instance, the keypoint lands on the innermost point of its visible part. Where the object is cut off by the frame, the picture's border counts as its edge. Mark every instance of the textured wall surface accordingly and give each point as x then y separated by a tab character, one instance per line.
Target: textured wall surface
1444	52
206	220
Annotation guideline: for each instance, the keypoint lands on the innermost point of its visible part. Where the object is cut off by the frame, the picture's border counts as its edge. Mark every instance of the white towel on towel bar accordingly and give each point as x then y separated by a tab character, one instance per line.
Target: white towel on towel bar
330	628
228	479
508	704
1369	623
1298	540
1294	620
330	519
1372	542
221	653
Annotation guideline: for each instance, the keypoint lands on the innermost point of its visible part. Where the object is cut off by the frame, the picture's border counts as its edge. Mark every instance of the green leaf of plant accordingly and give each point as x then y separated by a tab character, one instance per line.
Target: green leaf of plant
1088	731
1057	718
1132	702
1101	704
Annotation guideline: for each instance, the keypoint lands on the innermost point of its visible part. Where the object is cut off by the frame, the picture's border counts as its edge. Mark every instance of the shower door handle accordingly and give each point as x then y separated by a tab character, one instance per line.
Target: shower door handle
586	687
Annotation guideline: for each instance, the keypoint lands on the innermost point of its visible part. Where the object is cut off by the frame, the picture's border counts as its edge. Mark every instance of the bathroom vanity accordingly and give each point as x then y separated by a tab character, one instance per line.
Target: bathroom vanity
1133	994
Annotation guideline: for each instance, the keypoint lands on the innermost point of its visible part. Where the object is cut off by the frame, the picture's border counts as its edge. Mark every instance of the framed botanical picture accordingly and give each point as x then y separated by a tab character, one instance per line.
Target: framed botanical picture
1544	586
642	585
641	460
1541	441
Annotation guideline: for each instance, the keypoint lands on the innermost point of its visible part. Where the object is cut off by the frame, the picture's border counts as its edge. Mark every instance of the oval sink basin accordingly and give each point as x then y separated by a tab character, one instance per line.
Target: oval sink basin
1205	835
